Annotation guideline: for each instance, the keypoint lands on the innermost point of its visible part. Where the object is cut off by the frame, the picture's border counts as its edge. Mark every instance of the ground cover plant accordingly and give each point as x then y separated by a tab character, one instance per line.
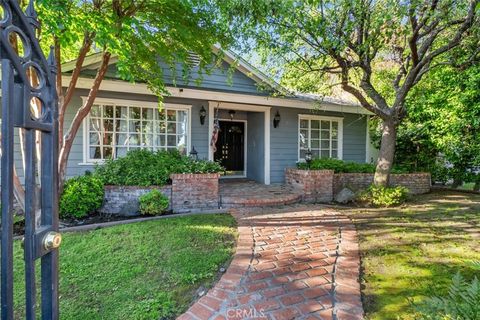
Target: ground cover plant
410	253
151	168
147	270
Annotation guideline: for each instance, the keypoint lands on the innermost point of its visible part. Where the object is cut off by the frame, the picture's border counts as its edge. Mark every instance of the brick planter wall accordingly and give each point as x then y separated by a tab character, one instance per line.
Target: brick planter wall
323	185
123	200
416	183
316	185
194	192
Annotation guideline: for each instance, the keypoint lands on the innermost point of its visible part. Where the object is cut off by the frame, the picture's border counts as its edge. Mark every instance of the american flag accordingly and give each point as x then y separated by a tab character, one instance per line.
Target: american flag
216	130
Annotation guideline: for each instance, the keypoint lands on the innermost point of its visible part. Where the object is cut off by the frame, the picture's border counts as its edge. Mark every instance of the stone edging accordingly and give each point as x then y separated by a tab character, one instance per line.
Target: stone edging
347	292
228	282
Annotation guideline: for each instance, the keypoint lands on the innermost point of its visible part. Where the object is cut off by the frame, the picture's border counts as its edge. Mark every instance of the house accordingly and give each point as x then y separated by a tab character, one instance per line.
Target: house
262	129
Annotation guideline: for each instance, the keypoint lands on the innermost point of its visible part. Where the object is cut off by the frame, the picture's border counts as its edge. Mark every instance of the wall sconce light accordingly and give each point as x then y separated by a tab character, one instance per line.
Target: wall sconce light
276	119
232	114
203	114
194	154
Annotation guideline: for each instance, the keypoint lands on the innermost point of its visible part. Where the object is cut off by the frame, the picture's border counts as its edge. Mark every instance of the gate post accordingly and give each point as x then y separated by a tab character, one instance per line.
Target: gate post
28	81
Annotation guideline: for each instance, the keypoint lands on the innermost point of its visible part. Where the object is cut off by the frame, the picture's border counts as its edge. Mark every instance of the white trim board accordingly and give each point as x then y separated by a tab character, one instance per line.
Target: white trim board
228	97
212	105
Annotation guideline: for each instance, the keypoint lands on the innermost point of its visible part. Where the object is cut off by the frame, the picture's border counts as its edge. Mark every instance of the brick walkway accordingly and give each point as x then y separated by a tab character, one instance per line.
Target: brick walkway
299	262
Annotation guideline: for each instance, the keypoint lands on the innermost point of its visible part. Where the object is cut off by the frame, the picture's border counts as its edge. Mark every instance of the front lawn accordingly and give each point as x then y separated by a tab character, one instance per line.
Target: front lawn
413	251
147	270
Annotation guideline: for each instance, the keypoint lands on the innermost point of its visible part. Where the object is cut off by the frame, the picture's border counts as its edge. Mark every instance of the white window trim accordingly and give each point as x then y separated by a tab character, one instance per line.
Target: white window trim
133	103
327	118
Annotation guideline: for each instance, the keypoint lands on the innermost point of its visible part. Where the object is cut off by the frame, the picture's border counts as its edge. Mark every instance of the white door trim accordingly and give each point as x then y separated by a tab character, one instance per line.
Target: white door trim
245	145
212	105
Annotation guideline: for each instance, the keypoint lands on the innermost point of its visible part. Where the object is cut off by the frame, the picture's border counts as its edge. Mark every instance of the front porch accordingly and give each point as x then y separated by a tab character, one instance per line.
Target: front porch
235	193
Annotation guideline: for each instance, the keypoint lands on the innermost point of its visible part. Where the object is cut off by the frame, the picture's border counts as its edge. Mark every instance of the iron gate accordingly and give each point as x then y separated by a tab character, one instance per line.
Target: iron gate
29	101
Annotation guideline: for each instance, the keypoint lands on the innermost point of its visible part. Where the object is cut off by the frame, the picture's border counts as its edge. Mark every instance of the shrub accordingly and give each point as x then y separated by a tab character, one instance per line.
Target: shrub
153	203
81	196
384	196
340	166
151	168
461	302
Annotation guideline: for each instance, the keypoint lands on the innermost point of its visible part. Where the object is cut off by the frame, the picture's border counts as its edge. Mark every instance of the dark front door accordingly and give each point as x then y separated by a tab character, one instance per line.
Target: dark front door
231	146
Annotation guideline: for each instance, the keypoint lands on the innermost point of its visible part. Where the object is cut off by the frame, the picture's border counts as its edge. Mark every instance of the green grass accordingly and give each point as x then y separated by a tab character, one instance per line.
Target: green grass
147	270
412	252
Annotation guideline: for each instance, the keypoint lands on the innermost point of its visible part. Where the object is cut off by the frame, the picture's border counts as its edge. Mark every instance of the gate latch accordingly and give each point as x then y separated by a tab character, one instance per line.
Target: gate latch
52	240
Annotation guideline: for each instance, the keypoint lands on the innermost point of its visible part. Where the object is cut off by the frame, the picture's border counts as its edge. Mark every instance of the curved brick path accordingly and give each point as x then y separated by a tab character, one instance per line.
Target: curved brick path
300	262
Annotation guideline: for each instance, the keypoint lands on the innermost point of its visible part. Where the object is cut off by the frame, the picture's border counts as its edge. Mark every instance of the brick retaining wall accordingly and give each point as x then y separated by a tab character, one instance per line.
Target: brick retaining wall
416	183
194	192
316	185
323	185
123	200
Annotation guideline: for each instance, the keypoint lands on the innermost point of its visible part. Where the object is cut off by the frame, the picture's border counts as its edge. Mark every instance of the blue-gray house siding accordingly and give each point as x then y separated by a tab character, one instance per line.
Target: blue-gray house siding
283	141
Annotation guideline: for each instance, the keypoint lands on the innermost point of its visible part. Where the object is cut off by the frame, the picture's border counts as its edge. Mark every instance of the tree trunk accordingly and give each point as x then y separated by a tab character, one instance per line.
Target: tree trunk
387	152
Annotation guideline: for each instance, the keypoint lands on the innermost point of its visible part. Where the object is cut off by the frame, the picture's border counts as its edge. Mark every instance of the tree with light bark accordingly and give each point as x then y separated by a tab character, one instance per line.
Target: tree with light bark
137	33
319	44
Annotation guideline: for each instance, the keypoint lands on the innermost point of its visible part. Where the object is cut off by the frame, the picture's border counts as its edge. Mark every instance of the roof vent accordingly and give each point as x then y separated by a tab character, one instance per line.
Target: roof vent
193	59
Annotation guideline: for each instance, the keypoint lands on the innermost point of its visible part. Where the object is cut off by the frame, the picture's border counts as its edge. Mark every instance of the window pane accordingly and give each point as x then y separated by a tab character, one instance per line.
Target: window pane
335	154
108	112
315	134
302	154
303	123
122	139
334	133
96	111
171	128
171	140
121	112
182	116
95	153
160	141
325	154
107	138
315	153
121	125
325	144
325	125
147	114
95	125
147	139
303	140
94	138
335	125
134	113
134	126
162	127
161	114
315	124
107	153
108	125
325	135
121	151
147	127
334	144
171	115
134	140
315	144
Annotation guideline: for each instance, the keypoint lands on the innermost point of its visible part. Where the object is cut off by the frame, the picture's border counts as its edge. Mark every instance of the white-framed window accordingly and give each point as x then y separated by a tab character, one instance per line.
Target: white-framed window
322	135
113	127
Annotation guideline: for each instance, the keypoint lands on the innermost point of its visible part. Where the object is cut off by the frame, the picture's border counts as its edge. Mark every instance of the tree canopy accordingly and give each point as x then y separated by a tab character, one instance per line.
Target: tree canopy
314	45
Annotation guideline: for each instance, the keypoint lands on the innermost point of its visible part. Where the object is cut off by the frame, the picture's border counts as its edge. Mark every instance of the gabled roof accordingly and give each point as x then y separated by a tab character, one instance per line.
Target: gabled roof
93	61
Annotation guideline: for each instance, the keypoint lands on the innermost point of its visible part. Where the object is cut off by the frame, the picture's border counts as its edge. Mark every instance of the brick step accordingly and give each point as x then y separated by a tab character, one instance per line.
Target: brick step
259	201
